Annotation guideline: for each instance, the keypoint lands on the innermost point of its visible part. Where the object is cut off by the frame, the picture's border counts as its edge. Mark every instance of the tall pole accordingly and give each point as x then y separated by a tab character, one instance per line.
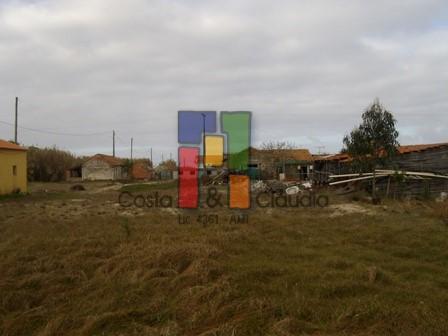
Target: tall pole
15	125
113	143
132	147
203	147
203	139
152	164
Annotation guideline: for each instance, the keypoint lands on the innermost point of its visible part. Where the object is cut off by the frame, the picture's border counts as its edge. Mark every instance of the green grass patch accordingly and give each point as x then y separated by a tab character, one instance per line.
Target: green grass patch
13	196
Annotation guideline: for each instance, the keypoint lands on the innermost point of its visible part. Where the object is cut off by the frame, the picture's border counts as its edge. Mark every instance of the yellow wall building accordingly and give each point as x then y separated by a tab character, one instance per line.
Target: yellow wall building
13	168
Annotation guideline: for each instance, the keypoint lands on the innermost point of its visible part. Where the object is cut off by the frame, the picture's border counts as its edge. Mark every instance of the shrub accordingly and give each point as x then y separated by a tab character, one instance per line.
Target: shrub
49	164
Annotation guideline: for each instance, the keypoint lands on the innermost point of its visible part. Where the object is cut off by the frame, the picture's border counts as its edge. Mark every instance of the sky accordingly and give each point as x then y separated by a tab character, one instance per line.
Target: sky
306	69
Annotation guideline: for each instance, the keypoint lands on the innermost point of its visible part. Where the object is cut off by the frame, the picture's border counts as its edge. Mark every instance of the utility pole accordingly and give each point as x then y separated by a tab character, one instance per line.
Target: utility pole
152	163
15	125
132	147
113	143
204	170
203	139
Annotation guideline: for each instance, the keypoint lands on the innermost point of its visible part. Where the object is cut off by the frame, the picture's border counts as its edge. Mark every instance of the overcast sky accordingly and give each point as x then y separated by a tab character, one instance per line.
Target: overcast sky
306	69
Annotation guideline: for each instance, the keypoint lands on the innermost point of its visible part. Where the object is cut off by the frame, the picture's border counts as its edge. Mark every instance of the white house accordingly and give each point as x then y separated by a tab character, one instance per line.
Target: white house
103	167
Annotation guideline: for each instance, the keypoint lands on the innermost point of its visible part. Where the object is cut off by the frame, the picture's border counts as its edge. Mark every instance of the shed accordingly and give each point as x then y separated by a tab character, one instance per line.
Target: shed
295	164
103	167
427	157
13	168
422	157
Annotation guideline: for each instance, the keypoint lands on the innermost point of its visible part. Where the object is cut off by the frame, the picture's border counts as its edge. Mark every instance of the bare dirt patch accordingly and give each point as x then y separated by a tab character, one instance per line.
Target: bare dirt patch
350	209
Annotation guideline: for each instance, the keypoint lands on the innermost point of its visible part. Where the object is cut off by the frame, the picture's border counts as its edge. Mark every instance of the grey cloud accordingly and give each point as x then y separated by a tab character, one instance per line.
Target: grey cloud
307	69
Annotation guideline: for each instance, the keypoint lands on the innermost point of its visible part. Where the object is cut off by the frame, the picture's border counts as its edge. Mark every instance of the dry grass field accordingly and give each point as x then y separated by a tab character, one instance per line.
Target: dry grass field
76	263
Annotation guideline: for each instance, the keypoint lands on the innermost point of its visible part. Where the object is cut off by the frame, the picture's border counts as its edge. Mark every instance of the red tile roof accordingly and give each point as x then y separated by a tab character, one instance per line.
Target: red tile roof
299	154
141	171
10	146
110	160
292	154
419	148
341	157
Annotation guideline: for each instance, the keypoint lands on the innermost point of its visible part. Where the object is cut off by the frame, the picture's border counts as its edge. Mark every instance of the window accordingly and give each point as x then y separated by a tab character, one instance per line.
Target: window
14	170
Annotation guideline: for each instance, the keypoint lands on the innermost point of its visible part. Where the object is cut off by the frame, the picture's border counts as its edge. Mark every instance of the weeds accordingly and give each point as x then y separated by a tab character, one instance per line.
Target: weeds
440	211
12	196
126	227
292	272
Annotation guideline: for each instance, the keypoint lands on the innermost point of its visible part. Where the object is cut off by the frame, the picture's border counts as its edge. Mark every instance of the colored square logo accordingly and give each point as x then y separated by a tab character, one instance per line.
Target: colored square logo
228	151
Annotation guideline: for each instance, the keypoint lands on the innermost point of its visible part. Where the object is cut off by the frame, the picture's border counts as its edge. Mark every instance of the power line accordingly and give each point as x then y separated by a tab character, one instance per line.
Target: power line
124	143
121	139
54	133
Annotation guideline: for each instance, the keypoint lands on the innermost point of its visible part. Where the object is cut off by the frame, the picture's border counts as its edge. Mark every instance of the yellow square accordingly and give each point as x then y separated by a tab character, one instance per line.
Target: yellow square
214	150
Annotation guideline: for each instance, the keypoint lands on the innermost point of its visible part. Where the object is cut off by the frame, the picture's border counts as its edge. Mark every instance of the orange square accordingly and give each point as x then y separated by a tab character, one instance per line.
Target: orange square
239	192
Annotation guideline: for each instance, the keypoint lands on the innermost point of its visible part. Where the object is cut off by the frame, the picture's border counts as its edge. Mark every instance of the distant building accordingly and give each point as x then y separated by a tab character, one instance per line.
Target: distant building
104	167
334	164
431	158
13	168
166	170
290	164
264	164
74	173
425	157
142	170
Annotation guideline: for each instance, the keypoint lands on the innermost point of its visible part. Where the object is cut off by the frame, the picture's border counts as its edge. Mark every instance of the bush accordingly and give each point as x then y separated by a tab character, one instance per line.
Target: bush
49	164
